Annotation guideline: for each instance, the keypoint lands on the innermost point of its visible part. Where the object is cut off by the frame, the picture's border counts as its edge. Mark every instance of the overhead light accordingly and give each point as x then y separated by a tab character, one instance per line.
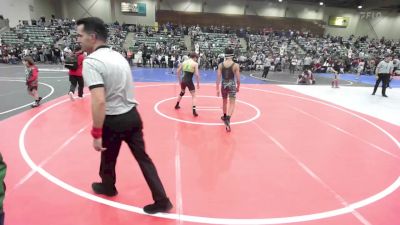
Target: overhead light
360	7
279	0
321	3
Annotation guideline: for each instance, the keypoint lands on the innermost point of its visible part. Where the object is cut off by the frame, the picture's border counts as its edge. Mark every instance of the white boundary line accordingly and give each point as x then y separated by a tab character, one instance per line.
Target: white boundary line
345	132
23	106
178	179
280	220
208	107
313	175
349	83
8	67
44	162
202	74
267	79
258	112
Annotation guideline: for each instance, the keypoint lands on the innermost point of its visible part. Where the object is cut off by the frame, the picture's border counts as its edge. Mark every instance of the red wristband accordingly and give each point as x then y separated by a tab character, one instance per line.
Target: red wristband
96	132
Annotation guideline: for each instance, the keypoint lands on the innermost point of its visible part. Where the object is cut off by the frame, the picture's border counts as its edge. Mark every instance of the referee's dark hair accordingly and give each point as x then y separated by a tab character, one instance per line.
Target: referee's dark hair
94	25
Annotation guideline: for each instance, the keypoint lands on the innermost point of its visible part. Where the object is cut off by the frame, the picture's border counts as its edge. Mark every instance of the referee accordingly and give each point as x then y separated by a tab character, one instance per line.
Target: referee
115	117
383	71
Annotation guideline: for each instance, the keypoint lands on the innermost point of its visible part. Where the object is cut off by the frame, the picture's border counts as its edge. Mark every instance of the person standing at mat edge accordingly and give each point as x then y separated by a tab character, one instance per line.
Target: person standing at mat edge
115	117
228	76
32	80
75	74
383	71
189	67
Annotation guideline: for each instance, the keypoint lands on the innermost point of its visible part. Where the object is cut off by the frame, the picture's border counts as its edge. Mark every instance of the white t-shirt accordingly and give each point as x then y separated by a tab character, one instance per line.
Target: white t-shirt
109	69
384	67
267	62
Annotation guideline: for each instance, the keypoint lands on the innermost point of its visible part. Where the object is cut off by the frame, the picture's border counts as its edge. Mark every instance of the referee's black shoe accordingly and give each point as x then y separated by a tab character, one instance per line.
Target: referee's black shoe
100	188
158	206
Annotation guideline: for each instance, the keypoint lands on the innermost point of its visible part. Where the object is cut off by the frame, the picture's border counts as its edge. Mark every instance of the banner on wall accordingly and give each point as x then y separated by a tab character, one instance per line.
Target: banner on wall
338	21
138	9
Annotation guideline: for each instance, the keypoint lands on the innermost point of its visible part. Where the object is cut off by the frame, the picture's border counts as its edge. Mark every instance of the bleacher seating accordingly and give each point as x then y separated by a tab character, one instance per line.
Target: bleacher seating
152	40
29	36
216	43
274	45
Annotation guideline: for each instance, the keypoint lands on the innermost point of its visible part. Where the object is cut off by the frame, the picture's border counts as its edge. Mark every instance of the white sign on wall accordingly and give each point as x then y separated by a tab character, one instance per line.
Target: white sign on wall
370	15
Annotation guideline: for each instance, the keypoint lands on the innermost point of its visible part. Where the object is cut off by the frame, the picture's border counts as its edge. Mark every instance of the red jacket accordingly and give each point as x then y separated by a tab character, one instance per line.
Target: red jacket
78	71
32	77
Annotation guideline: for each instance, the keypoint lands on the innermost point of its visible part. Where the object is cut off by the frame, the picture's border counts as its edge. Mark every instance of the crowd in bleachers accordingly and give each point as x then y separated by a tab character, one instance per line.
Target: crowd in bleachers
211	45
296	52
278	47
48	42
159	46
349	52
288	50
208	41
164	45
37	40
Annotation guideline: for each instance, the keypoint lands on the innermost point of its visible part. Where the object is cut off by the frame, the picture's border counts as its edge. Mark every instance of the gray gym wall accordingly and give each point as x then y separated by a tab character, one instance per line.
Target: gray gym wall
110	10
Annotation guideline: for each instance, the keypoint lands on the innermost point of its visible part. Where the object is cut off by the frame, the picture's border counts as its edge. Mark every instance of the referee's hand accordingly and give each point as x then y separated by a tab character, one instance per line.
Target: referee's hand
98	145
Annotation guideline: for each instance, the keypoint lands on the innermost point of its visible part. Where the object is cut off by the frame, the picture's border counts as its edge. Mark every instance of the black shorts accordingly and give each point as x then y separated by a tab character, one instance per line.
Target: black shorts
31	88
189	85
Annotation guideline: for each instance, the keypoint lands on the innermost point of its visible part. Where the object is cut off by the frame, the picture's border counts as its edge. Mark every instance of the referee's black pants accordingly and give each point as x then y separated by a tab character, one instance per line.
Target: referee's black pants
127	127
384	77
